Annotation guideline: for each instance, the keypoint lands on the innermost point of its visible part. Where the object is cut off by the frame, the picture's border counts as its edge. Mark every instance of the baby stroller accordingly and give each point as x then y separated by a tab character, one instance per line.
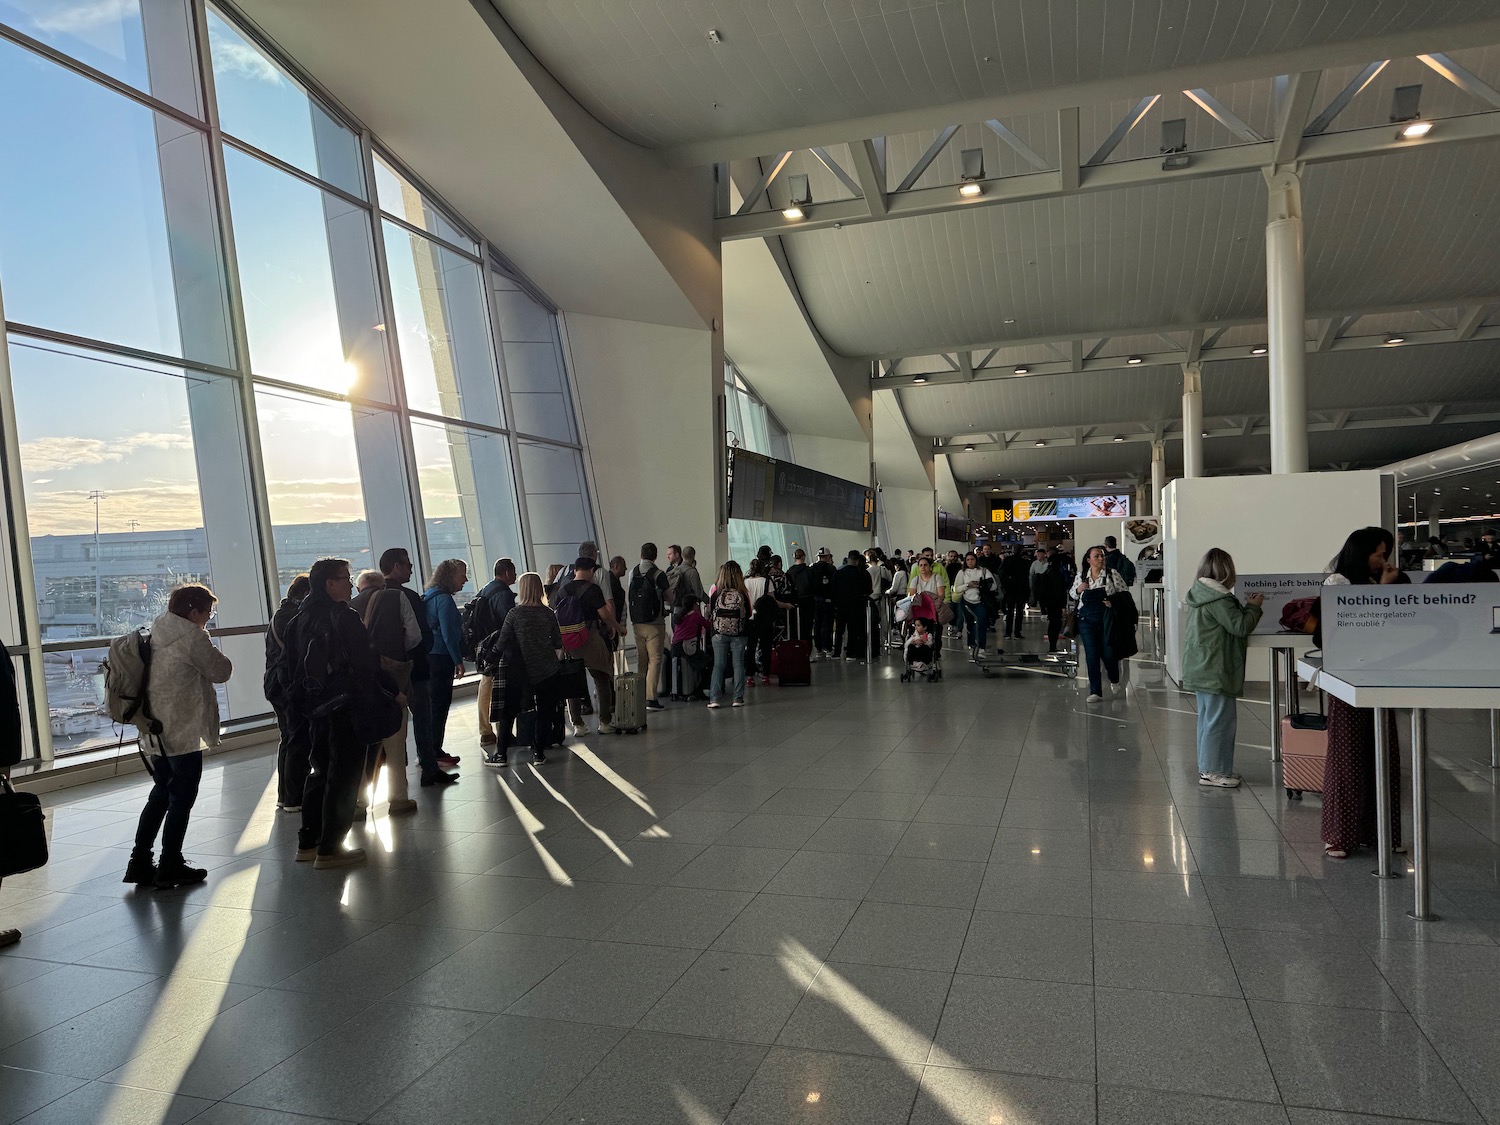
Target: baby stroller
921	660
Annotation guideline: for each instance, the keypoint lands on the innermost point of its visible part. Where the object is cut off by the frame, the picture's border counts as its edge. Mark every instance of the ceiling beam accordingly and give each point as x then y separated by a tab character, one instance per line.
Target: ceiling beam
1291	121
1215	73
939	143
1222	114
1132	433
1070	176
1341	100
1470	320
838	170
1352	144
1465	80
870	168
752	197
966	366
1121	131
1026	152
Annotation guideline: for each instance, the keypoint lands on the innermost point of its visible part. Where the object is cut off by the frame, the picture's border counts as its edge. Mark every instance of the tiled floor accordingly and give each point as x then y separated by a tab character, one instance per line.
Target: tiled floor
870	902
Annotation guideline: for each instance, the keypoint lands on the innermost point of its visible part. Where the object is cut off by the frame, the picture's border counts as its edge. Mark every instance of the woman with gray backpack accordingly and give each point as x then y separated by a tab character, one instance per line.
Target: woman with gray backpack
729	615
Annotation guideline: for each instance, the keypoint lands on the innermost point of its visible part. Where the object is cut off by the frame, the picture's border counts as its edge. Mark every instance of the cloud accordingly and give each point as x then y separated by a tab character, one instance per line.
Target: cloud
49	454
158	508
243	61
74	18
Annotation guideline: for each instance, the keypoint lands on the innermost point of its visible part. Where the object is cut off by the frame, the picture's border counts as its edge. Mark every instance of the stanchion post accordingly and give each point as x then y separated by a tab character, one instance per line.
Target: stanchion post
1495	740
1421	907
1383	869
1275	655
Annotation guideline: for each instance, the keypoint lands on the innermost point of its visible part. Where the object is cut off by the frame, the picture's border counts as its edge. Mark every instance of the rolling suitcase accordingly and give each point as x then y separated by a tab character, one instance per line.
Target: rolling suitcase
630	697
1304	753
791	660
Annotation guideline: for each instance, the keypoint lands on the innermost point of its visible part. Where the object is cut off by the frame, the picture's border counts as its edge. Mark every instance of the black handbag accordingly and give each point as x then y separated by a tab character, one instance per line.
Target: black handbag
23	831
572	679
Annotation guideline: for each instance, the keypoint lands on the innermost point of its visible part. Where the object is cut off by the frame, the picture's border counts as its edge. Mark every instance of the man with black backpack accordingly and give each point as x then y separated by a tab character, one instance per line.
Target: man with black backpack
484	615
647	598
1117	561
821	578
291	754
586	617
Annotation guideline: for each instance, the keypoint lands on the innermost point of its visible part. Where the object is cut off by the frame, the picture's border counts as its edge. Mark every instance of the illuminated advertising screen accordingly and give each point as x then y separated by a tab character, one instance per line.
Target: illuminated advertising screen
1070	508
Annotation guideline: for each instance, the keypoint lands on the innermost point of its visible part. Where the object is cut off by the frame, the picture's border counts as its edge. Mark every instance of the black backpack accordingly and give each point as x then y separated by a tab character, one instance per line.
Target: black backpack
645	596
478	618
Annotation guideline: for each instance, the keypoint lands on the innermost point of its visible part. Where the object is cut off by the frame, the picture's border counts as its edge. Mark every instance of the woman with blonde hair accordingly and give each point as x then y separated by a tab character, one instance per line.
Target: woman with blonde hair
1213	662
530	646
729	615
445	660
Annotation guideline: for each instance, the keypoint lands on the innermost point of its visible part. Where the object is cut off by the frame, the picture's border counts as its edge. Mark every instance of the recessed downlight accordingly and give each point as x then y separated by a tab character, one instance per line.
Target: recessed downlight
1022	369
1259	349
1040	444
1395	338
1134	361
919	379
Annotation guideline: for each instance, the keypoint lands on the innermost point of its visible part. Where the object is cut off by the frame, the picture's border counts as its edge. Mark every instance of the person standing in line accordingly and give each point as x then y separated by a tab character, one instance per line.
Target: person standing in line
757	586
1213	662
799	574
1038	568
612	578
1118	561
729	613
648	609
392	628
185	666
1093	590
445	659
1051	591
1349	813
821	578
851	595
329	665
581	603
10	746
1015	587
967	592
291	752
501	599
531	634
880	580
396	567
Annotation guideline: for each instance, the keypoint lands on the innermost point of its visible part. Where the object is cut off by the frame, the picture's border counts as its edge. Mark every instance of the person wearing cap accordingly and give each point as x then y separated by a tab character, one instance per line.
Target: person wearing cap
599	617
799	574
821	577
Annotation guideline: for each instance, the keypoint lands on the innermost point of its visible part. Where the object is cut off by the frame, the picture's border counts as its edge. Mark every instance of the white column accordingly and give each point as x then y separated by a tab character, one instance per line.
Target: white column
1158	475
1192	419
1434	517
1286	301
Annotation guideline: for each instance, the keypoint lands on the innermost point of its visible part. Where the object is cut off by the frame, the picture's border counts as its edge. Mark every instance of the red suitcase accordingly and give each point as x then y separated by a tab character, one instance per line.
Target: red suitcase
1304	752
791	660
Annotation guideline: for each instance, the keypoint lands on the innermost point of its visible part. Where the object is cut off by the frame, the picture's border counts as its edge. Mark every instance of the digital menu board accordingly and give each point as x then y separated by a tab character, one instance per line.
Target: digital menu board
1070	508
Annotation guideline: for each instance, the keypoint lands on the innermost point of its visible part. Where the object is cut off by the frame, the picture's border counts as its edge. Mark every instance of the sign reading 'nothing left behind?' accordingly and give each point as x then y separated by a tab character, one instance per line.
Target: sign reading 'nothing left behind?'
1435	626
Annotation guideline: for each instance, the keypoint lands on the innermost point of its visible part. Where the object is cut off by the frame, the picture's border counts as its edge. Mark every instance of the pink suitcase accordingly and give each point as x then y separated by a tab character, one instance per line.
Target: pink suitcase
1304	751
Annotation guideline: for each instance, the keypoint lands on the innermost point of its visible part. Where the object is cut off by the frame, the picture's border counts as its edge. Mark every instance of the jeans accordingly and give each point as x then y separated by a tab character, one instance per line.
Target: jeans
976	618
649	640
291	758
725	648
1217	719
338	762
1095	638
440	668
420	703
171	800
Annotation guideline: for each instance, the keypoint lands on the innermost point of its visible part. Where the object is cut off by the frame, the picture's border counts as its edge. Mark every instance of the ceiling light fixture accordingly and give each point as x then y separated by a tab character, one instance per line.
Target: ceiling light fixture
968	449
1174	144
1040	444
1134	361
1415	129
919	379
1406	109
1395	338
1052	486
1022	369
1119	438
801	197
968	191
971	171
1259	349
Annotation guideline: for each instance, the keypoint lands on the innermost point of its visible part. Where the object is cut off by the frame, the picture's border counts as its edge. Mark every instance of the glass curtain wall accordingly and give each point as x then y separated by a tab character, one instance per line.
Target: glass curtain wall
751	424
238	335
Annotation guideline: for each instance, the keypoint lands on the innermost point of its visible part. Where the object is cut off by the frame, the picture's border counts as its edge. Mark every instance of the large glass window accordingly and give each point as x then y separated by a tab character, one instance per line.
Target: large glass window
263	106
447	358
556	502
534	373
111	37
755	428
106	226
307	273
468	496
398	196
312	482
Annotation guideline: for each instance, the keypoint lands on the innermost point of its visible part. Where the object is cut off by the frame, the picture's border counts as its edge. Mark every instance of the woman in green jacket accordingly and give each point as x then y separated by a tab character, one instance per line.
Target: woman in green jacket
1213	662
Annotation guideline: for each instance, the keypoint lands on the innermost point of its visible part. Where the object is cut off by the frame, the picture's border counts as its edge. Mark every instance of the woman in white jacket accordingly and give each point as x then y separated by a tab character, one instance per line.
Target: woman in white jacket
184	668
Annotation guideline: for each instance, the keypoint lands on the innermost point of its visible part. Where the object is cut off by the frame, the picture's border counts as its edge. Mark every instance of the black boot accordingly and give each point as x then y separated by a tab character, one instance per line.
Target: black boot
178	874
141	871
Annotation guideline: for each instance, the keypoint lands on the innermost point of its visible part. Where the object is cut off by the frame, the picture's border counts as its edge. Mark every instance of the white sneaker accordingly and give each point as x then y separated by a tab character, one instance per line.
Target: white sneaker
580	729
606	728
1096	699
1222	781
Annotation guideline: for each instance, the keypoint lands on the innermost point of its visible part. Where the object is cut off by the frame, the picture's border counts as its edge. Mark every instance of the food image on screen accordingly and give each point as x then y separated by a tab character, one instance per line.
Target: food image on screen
1142	531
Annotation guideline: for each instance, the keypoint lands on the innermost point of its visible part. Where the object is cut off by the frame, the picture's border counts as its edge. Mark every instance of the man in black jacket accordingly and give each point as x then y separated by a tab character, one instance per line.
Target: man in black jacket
327	660
851	595
799	574
501	597
1015	588
821	576
291	754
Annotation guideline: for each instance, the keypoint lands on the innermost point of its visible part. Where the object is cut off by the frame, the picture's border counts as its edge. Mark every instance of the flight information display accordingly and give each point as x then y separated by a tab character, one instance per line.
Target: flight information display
772	491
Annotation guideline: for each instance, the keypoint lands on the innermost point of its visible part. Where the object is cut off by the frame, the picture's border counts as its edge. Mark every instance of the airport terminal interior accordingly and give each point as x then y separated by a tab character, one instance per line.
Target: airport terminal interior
1201	828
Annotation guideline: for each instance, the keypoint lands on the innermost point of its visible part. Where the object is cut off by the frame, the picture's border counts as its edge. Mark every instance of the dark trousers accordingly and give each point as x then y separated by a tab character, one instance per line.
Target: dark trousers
291	758
849	626
168	805
1054	624
877	621
758	650
420	702
806	619
823	616
440	688
549	709
1015	612
1096	648
337	764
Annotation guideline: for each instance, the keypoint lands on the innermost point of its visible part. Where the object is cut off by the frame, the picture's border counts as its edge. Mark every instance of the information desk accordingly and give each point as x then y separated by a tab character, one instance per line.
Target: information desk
1283	695
1422	691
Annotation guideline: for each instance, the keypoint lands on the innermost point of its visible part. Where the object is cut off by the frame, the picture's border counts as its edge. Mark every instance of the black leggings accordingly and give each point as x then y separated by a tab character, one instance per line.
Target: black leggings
758	650
549	710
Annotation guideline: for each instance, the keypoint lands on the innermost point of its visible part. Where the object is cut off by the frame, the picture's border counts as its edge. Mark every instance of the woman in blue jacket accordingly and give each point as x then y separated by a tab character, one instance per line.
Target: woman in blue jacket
445	660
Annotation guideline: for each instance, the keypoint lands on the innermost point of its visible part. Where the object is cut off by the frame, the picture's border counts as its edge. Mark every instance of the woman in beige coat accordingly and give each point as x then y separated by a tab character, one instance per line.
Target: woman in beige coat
185	666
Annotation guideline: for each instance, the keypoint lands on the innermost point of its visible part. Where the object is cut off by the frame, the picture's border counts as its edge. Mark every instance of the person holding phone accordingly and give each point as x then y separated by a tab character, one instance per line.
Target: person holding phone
1213	662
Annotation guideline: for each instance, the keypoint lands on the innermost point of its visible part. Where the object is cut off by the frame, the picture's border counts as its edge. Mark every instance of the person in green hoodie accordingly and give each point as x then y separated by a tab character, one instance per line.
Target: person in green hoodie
1213	662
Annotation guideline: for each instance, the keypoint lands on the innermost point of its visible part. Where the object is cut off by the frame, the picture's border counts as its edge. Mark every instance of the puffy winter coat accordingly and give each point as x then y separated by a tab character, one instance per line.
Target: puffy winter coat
185	666
1213	655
